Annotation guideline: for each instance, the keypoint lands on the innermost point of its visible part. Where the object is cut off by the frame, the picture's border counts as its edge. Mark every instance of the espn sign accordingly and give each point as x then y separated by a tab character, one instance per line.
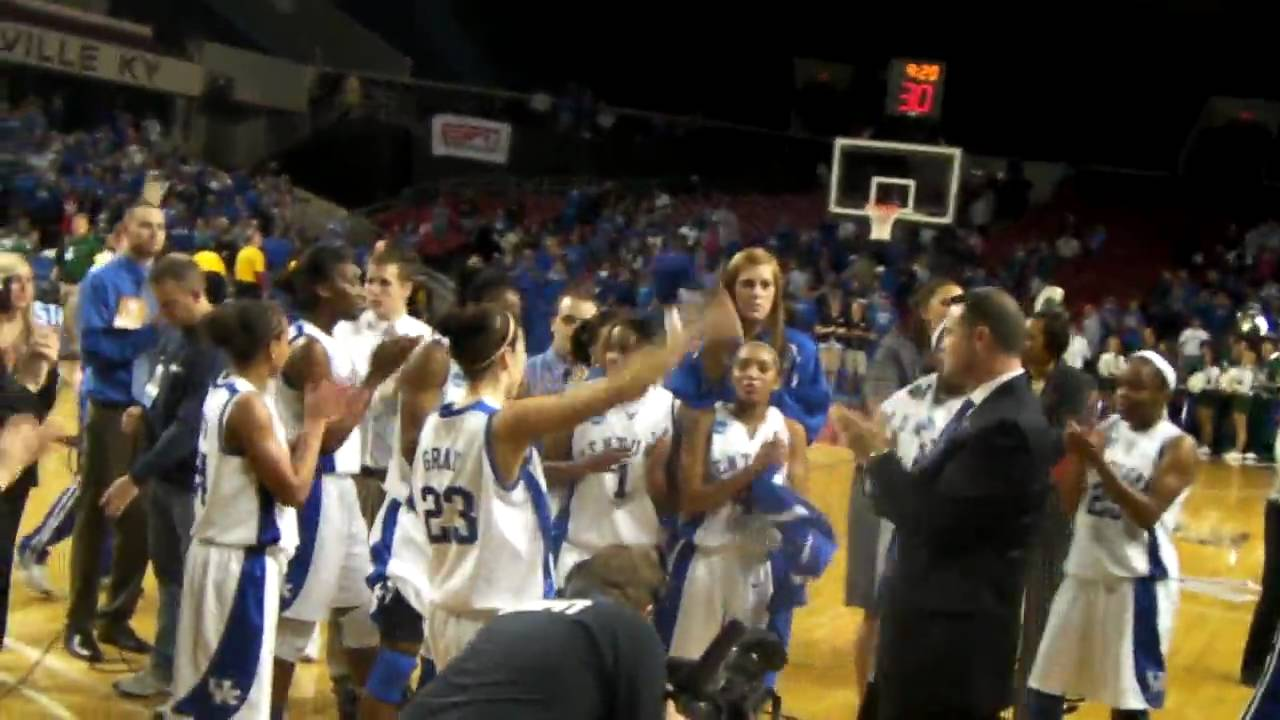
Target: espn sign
471	138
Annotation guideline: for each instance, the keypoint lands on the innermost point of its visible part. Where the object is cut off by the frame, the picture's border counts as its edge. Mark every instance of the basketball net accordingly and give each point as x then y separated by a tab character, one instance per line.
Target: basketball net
882	217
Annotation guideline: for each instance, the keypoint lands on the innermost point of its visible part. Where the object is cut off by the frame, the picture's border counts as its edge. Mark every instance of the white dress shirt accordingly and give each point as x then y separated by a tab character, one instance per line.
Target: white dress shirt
364	335
983	391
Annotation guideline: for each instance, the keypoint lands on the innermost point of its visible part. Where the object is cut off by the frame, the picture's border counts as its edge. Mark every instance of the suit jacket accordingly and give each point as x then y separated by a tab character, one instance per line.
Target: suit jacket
965	517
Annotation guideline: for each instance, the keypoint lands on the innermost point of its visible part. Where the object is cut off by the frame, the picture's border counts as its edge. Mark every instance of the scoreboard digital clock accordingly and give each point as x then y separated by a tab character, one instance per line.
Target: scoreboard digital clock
915	88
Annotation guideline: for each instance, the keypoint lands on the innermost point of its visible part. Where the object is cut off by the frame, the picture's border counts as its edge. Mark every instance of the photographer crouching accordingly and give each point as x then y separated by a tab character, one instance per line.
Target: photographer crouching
592	655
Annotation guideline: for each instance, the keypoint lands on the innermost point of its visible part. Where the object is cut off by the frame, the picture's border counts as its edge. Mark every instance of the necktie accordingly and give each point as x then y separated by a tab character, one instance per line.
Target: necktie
948	431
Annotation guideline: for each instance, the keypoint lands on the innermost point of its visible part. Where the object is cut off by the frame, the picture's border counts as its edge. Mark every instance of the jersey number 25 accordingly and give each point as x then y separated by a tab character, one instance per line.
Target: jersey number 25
450	515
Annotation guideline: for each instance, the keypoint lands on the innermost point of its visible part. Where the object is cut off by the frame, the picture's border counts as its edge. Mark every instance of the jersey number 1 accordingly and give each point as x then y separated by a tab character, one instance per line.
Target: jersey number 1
621	492
451	515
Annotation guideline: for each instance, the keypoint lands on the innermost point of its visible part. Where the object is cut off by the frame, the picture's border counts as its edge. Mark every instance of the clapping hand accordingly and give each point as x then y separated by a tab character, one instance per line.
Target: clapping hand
864	434
773	453
1080	442
325	401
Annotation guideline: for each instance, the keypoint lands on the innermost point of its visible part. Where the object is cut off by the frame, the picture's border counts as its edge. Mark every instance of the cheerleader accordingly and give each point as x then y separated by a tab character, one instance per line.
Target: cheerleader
1205	386
1238	383
248	483
720	569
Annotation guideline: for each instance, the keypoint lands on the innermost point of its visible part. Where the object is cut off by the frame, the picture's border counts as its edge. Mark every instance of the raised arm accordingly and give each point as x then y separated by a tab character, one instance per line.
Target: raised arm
308	366
250	430
421	382
522	421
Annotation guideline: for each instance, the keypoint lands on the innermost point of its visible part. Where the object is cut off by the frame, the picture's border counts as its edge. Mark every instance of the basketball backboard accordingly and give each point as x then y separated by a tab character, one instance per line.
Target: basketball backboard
920	179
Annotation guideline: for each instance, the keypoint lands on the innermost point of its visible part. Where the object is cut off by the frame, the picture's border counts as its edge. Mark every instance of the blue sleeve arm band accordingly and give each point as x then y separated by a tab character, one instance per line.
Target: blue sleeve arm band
389	678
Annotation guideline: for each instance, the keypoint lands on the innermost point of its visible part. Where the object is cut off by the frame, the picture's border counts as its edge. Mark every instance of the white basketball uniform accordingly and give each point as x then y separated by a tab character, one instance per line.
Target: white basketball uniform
242	539
466	546
728	576
613	507
328	572
1112	618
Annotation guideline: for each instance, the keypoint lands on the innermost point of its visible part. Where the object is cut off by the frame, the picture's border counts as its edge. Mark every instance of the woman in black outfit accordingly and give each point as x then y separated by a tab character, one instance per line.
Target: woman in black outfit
830	331
858	341
28	387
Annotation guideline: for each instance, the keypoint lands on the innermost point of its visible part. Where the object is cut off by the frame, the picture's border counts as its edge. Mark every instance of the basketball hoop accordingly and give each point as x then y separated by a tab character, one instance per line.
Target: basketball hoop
882	215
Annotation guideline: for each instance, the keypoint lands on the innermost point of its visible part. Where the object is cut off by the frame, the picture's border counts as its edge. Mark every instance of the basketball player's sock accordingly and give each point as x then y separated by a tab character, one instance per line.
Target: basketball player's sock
1043	706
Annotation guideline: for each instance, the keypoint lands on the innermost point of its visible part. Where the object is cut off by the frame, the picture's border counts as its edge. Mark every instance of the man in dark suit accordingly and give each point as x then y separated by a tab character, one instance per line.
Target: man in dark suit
965	513
1067	395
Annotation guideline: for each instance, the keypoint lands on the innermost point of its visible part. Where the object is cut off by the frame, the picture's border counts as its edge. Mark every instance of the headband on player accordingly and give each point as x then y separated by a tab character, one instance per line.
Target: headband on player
1166	370
511	333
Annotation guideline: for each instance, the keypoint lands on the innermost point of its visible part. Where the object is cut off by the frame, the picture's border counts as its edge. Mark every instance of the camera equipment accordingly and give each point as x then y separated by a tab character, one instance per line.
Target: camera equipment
728	681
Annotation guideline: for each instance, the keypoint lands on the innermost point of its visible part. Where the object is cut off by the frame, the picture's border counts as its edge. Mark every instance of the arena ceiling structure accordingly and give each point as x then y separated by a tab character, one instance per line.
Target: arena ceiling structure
1119	84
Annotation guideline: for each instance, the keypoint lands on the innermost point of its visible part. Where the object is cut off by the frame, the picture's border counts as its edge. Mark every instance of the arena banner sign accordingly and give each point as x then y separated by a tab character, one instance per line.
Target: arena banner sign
471	138
53	50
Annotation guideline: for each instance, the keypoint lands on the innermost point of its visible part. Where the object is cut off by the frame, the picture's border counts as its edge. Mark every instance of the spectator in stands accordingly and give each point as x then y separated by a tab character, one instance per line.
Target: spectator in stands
860	343
1132	324
1068	247
1190	342
549	372
115	315
1078	351
1111	365
831	331
251	267
76	251
1092	327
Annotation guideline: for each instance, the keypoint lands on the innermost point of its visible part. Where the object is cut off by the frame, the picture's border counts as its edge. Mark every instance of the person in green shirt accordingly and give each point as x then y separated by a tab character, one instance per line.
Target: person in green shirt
77	252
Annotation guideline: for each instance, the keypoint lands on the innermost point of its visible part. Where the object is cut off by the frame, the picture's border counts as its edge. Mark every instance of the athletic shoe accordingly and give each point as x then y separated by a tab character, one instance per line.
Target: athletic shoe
1251	458
1204	452
142	684
1233	458
35	575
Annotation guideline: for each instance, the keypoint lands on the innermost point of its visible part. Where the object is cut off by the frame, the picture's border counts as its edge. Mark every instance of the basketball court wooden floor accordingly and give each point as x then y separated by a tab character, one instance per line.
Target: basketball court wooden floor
1221	550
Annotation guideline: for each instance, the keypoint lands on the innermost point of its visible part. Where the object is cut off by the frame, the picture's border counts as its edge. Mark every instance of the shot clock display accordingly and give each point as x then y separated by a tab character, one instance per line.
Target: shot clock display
915	88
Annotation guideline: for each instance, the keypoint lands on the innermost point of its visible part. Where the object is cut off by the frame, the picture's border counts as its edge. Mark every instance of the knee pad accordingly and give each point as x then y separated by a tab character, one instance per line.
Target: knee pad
389	677
292	638
357	629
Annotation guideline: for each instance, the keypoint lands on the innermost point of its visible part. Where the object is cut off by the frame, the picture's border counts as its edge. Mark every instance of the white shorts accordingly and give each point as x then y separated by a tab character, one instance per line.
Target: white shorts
448	633
226	632
570	555
720	584
1107	640
332	562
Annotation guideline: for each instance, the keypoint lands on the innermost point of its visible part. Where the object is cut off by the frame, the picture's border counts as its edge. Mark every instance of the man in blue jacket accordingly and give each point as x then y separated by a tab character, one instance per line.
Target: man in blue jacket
116	329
